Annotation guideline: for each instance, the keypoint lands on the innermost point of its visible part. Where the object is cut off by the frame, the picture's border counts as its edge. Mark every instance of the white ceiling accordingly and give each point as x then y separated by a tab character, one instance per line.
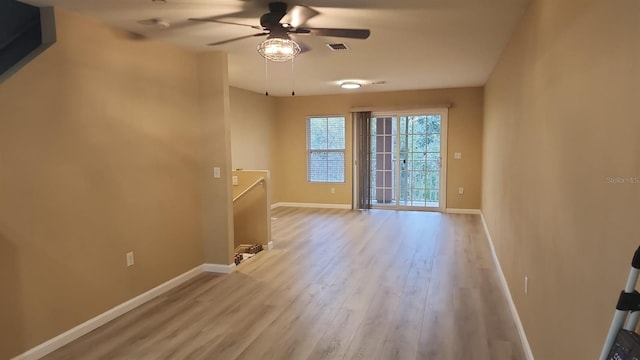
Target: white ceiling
414	44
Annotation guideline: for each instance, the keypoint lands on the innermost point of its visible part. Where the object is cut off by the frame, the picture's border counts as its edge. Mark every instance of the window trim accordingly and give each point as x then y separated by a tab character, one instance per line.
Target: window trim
310	151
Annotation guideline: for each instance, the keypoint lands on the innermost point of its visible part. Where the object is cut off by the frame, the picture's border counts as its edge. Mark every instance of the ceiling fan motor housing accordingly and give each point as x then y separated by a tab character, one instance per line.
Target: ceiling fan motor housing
271	20
278	7
271	26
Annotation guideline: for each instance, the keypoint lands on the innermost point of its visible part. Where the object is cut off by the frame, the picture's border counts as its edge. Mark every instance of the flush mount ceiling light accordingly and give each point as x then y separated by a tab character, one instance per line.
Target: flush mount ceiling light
279	49
350	85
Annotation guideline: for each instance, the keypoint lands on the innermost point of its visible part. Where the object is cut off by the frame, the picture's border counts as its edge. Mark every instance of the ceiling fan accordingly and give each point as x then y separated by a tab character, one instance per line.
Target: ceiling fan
282	23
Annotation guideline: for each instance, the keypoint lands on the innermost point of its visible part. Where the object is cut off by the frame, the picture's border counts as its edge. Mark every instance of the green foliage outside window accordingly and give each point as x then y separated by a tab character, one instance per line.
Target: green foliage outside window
326	149
419	138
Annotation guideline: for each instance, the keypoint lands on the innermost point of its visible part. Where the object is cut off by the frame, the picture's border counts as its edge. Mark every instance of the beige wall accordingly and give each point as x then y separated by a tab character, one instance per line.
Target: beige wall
217	199
246	178
560	119
252	129
465	135
103	152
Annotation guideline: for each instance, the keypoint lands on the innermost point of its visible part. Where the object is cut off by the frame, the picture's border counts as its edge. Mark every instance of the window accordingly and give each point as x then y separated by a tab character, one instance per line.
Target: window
325	149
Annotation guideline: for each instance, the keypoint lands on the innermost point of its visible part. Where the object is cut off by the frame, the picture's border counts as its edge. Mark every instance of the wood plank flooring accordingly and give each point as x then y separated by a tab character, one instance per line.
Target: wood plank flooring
338	284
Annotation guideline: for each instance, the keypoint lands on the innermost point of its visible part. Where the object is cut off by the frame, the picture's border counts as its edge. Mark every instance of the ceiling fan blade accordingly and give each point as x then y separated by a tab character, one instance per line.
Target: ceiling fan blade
303	47
238	38
344	33
226	22
125	34
153	22
298	15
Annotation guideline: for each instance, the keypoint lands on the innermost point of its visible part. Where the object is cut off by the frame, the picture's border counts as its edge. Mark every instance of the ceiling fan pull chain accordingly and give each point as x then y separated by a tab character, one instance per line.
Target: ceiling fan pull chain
293	80
266	77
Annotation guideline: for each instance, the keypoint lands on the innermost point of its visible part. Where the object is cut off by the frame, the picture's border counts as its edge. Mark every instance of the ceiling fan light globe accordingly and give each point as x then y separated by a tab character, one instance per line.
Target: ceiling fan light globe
276	49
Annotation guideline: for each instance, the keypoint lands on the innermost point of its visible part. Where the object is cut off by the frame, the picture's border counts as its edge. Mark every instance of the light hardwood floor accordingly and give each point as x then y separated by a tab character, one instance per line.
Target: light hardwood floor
339	284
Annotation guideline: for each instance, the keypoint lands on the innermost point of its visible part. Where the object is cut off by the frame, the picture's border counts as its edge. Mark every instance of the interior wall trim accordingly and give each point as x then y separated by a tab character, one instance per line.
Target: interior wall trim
219	268
311	205
68	336
463	211
507	293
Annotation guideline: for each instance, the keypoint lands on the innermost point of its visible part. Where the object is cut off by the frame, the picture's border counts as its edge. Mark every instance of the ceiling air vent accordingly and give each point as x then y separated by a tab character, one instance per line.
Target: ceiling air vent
338	46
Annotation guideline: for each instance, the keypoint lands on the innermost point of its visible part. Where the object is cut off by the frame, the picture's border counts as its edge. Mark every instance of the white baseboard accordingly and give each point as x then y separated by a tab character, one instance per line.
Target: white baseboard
68	336
505	288
463	211
218	268
311	205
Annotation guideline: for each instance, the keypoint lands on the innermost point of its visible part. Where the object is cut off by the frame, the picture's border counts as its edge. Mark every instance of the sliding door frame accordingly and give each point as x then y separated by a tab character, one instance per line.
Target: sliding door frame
444	131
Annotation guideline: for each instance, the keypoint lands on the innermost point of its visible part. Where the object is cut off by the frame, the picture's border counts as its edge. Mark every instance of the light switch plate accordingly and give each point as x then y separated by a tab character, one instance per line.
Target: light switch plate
130	260
457	156
234	179
216	172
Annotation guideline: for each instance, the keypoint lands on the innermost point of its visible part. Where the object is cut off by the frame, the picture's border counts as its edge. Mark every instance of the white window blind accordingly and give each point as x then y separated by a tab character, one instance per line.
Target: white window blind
326	149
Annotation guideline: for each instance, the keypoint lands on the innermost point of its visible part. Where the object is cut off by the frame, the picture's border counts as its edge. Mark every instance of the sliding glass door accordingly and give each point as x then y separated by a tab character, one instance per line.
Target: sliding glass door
407	167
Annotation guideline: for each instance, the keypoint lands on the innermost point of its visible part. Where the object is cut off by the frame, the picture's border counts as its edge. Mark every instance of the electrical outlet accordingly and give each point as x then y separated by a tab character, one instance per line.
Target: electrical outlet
526	285
333	190
461	190
234	179
130	259
216	172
